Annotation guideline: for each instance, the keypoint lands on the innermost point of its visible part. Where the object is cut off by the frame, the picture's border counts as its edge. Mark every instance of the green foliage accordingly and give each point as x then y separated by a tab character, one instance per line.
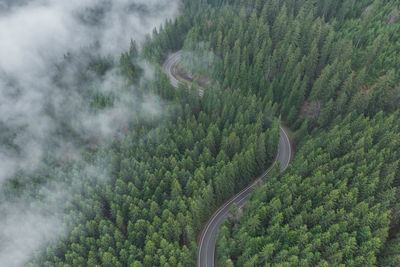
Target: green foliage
168	175
285	52
322	63
332	207
329	68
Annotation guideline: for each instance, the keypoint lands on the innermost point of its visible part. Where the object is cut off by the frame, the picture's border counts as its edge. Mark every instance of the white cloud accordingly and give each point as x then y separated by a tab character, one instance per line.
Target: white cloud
34	37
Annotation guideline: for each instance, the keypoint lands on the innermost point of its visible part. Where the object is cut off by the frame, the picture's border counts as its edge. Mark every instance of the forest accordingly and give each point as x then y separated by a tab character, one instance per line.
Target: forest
327	70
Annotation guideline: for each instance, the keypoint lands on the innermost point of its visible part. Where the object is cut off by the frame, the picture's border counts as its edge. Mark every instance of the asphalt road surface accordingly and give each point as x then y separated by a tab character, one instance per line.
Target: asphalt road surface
171	61
206	256
167	67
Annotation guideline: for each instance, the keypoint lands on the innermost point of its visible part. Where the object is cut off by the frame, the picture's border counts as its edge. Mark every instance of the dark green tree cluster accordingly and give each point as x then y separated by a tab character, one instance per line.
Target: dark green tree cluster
329	68
332	207
166	39
167	180
140	199
287	52
327	65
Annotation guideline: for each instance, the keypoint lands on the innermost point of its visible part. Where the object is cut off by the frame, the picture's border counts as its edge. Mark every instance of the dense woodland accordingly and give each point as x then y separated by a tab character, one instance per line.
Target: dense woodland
333	206
169	173
327	69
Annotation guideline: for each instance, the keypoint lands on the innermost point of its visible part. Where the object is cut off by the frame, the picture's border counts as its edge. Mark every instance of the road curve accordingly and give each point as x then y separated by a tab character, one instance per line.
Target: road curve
169	63
167	67
206	256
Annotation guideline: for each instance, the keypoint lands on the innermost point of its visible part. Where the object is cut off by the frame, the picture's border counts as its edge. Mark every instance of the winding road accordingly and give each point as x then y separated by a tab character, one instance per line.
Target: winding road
206	256
171	61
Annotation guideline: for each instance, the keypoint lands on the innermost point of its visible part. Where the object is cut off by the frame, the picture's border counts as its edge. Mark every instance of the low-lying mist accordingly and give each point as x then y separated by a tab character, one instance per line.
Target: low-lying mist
47	48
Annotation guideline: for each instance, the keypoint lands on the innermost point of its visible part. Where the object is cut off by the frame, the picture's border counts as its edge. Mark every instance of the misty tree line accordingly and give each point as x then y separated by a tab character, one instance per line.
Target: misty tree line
168	173
328	68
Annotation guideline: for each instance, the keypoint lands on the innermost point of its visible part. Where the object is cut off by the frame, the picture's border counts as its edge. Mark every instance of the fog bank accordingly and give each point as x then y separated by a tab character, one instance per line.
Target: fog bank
37	38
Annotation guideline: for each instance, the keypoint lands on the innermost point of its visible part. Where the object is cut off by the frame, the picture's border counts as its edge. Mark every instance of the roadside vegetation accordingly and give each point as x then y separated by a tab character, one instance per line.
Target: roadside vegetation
328	69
